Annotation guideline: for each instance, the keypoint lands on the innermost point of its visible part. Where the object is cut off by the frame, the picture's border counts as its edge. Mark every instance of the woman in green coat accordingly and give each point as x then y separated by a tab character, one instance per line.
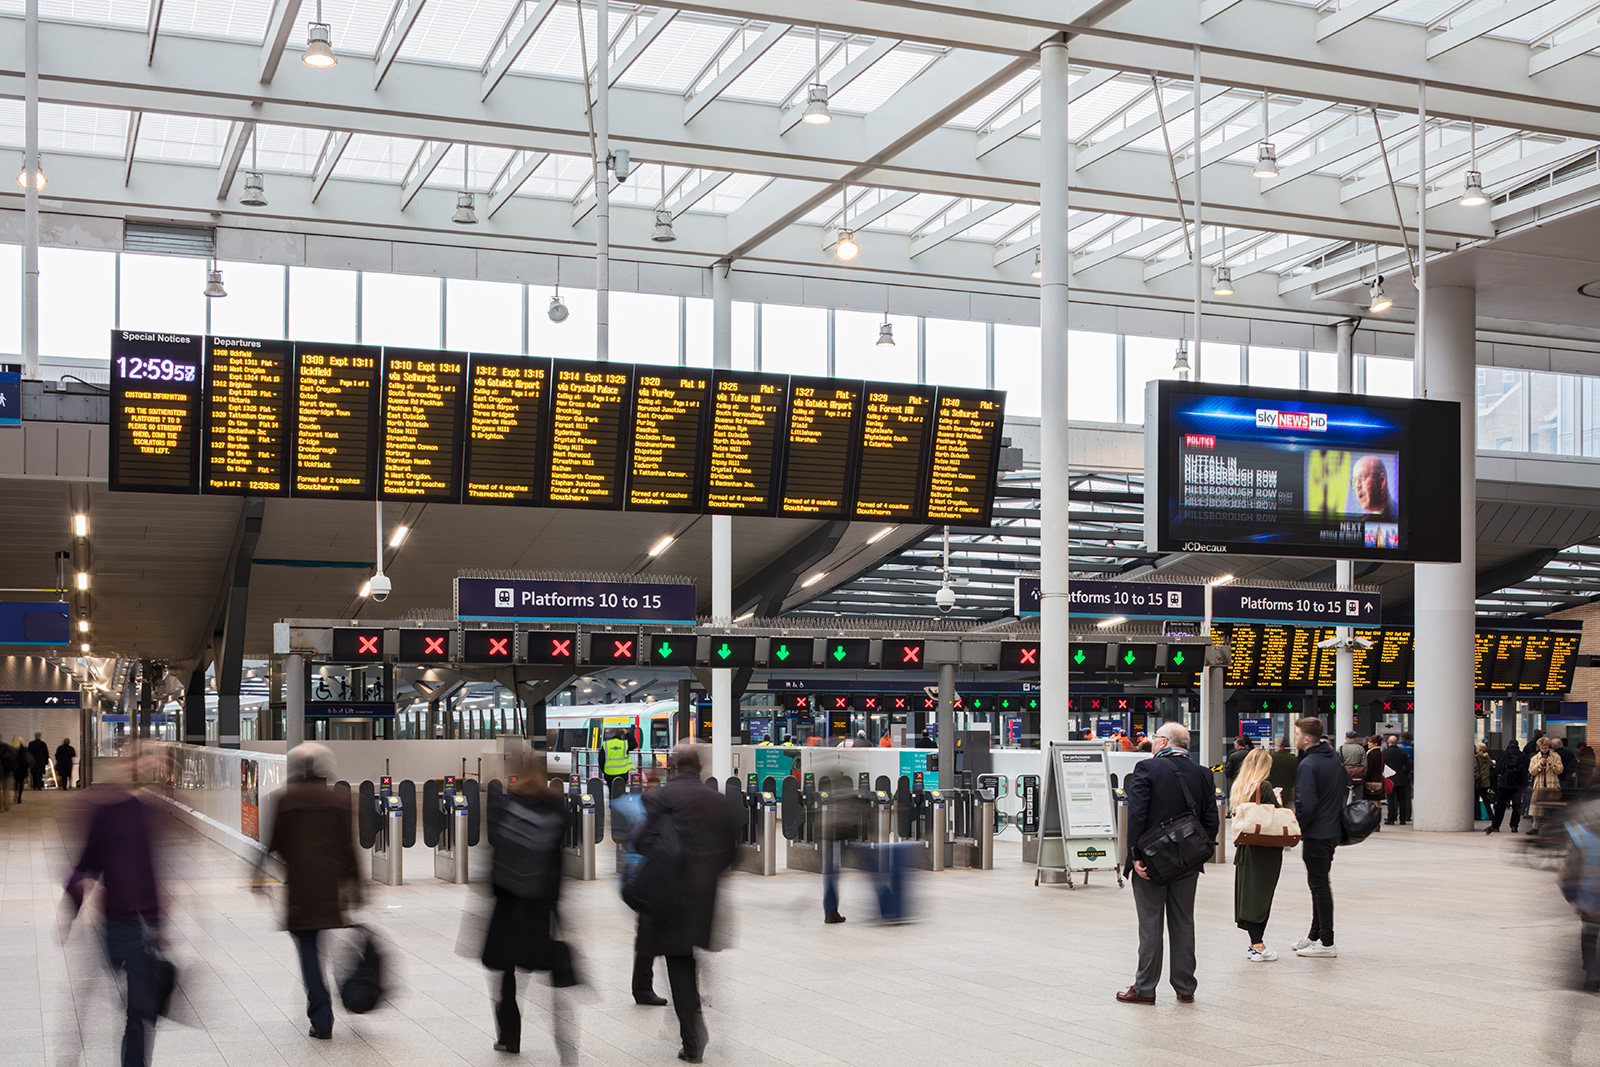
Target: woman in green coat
1256	866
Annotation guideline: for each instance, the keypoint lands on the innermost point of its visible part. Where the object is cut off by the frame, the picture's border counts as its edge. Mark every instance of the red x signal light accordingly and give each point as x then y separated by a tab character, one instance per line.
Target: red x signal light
1029	656
367	644
433	646
561	647
622	649
500	646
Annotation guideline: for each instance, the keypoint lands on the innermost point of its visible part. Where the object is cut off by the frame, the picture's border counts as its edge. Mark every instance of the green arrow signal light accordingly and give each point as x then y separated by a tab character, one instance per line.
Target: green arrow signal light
1078	657
782	653
1128	659
1005	703
665	651
838	652
724	651
1033	703
1177	658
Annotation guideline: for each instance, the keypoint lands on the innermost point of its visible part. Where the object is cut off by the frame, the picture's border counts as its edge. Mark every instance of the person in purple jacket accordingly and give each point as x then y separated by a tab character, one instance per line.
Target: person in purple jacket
119	853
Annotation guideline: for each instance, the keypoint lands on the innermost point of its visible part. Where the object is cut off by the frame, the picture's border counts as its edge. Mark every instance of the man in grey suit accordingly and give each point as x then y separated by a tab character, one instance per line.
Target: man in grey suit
1155	797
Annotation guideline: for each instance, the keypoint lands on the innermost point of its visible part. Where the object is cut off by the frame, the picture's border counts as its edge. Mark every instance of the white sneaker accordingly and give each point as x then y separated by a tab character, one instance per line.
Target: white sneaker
1304	942
1317	950
1264	956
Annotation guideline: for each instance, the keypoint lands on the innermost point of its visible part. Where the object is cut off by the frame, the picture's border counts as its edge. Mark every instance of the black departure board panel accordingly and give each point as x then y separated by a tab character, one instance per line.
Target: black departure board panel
155	412
588	448
424	397
336	421
965	456
1392	669
248	405
821	447
897	422
508	409
747	412
271	418
670	414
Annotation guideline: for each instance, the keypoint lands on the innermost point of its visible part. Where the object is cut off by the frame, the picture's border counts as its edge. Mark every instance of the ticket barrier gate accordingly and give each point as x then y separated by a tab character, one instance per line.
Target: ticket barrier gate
802	826
925	822
455	834
583	835
972	828
757	848
879	830
386	823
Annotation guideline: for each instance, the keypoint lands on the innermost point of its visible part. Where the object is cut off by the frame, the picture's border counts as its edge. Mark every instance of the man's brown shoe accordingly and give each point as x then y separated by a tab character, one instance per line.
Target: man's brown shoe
1129	996
1185	998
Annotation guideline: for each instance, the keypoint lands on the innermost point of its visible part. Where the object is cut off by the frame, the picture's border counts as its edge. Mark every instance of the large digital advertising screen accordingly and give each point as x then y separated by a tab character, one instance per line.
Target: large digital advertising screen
1283	472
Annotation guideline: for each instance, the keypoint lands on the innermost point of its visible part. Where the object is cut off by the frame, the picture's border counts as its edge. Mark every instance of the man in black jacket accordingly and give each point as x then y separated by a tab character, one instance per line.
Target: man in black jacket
1155	797
1321	787
705	831
40	754
1510	772
1395	758
1241	748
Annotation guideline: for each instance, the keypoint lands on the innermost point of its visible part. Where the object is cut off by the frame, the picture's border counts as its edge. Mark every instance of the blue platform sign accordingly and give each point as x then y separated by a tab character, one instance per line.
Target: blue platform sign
24	622
26	698
1106	600
555	600
1257	728
10	398
1307	607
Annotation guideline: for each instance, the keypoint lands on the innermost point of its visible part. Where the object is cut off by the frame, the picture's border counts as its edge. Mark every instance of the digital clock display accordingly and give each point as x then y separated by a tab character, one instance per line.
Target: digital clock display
155	413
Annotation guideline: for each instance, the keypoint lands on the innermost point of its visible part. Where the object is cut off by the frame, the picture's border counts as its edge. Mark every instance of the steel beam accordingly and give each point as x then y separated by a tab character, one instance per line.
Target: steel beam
239	134
280	26
429	156
402	17
332	148
500	65
733	71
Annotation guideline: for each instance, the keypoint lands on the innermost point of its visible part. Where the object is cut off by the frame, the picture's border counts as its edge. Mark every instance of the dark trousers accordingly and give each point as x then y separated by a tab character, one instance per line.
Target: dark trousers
1485	796
686	1002
643	965
1400	801
38	778
128	948
1587	942
1318	852
1257	932
1507	798
1172	904
319	1005
507	1016
21	781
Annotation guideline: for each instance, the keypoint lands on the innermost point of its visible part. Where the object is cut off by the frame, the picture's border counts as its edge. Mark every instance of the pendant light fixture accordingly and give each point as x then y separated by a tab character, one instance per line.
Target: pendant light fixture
319	43
1377	300
255	187
1472	187
662	234
465	214
1180	361
846	248
1038	264
817	113
1222	275
214	282
557	311
886	332
39	178
1266	151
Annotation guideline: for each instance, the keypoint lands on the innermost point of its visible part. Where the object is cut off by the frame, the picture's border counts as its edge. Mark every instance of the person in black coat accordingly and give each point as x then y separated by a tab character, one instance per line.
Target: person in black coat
1155	797
1395	758
39	752
527	827
706	836
1320	789
1510	774
1231	765
65	755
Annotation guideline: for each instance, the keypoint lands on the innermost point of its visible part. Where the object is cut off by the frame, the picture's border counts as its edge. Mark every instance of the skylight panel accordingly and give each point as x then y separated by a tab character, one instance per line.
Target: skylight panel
680	52
885	78
91	131
374	158
97	12
458	32
234	20
979	113
181	139
1093	108
287	149
484	166
559	176
997	226
914	214
770	78
731	195
357	24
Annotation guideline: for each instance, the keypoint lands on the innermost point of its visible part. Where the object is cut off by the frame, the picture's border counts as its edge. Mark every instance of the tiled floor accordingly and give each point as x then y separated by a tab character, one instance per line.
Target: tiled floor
1452	954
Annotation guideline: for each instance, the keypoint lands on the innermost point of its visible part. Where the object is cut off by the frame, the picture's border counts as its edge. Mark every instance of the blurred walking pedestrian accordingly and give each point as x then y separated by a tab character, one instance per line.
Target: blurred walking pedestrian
119	854
312	833
1510	774
9	758
527	828
39	754
65	754
687	842
19	773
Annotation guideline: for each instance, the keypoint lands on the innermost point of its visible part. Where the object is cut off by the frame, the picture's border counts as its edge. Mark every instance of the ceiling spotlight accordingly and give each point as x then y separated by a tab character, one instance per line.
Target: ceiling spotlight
319	46
214	283
1180	361
84	647
83	579
1472	191
1379	302
662	234
1116	620
400	534
255	190
83	626
846	249
1222	281
662	545
817	113
39	178
886	333
465	215
1266	160
557	311
1038	264
80	526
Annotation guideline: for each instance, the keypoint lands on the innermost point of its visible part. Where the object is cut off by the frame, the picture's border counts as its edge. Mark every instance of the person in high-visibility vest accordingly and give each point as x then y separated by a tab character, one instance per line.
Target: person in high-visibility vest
614	762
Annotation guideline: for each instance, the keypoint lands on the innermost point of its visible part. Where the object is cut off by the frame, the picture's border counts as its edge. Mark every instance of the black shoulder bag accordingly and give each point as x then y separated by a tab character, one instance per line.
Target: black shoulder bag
1178	847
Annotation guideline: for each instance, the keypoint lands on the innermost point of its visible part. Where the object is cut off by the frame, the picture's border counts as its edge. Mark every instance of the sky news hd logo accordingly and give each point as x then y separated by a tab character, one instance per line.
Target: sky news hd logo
1313	421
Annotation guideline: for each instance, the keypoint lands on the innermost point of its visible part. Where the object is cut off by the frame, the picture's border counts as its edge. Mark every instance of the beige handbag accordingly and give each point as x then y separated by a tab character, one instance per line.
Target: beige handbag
1255	823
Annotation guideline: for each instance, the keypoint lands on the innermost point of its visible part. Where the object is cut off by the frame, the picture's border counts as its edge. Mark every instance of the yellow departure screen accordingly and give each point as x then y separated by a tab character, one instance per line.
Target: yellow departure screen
508	407
588	441
895	427
670	413
247	416
821	448
336	421
423	400
746	426
966	454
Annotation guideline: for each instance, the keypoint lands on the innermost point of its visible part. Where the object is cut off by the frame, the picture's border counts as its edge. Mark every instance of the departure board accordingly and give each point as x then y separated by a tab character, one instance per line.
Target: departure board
155	413
1365	660
1507	663
588	440
1536	650
965	456
1563	662
1242	643
247	405
670	414
820	448
1303	653
747	413
1273	647
336	421
1483	661
1392	670
508	400
424	397
897	421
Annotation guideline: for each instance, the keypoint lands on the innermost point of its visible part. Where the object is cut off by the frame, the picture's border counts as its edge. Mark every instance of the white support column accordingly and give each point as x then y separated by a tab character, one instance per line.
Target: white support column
1344	662
1195	361
1054	541
1446	592
722	711
30	199
602	179
294	701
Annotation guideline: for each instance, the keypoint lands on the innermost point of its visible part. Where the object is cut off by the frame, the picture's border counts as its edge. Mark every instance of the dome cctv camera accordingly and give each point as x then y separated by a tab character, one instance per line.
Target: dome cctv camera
380	587
558	311
621	165
945	598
